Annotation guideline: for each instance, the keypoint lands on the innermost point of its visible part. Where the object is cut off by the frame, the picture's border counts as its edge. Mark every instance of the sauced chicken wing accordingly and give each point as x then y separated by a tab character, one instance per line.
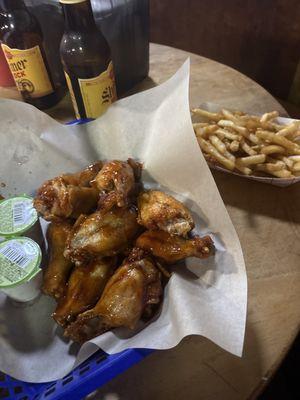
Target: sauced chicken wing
102	234
83	178
84	289
59	268
171	248
68	196
134	286
116	183
159	211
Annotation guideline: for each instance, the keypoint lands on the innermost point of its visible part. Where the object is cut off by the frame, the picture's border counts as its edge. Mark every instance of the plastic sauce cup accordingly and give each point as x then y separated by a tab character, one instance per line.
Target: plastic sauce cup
20	272
17	216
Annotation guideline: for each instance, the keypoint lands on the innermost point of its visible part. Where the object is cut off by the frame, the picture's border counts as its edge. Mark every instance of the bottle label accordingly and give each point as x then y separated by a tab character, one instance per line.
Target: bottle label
29	71
98	93
73	98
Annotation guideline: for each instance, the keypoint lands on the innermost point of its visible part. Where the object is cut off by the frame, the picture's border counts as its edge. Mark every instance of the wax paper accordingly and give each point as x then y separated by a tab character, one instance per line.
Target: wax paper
203	297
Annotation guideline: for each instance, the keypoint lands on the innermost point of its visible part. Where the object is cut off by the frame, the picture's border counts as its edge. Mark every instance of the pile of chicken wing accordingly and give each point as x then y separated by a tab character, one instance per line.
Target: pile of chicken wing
110	244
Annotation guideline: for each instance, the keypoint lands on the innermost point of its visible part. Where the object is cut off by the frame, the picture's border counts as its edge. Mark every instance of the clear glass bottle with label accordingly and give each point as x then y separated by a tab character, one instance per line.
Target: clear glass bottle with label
22	44
86	59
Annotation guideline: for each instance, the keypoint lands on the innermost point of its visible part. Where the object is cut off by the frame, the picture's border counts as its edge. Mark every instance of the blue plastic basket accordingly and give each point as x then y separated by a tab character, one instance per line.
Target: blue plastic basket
90	375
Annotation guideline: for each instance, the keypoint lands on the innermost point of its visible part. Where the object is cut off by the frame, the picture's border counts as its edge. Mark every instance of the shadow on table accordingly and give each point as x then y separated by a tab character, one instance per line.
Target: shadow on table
258	198
196	369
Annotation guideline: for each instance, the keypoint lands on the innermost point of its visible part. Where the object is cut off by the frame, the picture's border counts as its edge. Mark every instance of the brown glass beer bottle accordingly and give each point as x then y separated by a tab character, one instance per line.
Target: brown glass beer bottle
22	43
86	59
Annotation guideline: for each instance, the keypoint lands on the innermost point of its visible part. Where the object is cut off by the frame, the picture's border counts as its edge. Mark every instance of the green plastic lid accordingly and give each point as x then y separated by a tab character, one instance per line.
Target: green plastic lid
17	215
20	259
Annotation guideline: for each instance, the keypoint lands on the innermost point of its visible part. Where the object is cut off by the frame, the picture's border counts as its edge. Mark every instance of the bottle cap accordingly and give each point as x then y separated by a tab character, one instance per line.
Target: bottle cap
17	215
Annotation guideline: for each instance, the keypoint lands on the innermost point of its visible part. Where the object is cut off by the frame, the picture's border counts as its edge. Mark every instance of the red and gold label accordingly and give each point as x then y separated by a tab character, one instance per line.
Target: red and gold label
29	71
98	93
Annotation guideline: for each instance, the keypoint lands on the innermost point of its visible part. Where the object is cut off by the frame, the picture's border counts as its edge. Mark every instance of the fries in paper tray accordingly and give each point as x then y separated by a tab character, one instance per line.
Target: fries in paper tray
264	148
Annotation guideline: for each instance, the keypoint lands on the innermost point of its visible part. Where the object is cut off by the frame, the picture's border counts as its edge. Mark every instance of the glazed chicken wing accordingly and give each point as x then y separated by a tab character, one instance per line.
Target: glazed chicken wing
83	178
84	289
159	211
68	196
170	248
58	268
116	183
102	234
134	286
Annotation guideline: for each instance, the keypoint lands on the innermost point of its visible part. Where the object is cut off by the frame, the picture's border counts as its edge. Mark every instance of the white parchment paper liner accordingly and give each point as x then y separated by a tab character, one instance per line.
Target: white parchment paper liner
209	298
213	107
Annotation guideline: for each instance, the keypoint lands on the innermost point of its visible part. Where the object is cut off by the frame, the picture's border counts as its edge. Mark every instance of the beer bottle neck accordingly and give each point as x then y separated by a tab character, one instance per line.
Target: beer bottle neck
10	5
79	16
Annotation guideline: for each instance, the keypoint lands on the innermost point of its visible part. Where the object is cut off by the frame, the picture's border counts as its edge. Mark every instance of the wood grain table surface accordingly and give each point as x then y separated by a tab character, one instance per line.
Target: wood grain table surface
267	220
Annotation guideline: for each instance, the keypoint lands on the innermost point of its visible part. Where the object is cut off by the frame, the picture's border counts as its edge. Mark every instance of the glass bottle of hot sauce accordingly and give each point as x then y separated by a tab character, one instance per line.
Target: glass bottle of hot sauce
86	59
22	43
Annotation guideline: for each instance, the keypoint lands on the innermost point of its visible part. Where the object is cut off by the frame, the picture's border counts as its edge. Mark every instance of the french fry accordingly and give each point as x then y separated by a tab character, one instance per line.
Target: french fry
288	129
224	123
296	167
270	115
254	139
248	143
211	150
234	146
257	159
280	140
226	134
200	124
205	131
289	163
274	166
207	114
228	115
243	169
274	161
272	148
247	149
239	113
220	146
283	173
294	158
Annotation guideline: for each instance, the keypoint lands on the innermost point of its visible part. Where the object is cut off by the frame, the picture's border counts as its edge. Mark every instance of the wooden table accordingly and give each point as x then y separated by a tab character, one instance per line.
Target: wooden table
267	220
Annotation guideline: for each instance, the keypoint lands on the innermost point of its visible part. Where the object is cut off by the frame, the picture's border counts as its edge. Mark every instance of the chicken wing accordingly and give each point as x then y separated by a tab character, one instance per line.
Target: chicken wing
159	211
116	183
170	248
68	196
102	234
83	178
58	269
84	289
134	286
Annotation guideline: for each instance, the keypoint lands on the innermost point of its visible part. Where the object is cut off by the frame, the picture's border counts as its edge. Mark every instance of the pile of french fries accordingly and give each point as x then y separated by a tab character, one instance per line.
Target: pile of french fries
249	144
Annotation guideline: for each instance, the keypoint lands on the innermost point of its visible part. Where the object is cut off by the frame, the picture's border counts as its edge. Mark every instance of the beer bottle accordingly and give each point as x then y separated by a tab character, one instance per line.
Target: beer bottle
86	59
22	44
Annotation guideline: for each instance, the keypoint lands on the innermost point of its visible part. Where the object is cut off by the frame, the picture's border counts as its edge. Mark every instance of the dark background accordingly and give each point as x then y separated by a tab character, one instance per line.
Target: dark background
260	38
